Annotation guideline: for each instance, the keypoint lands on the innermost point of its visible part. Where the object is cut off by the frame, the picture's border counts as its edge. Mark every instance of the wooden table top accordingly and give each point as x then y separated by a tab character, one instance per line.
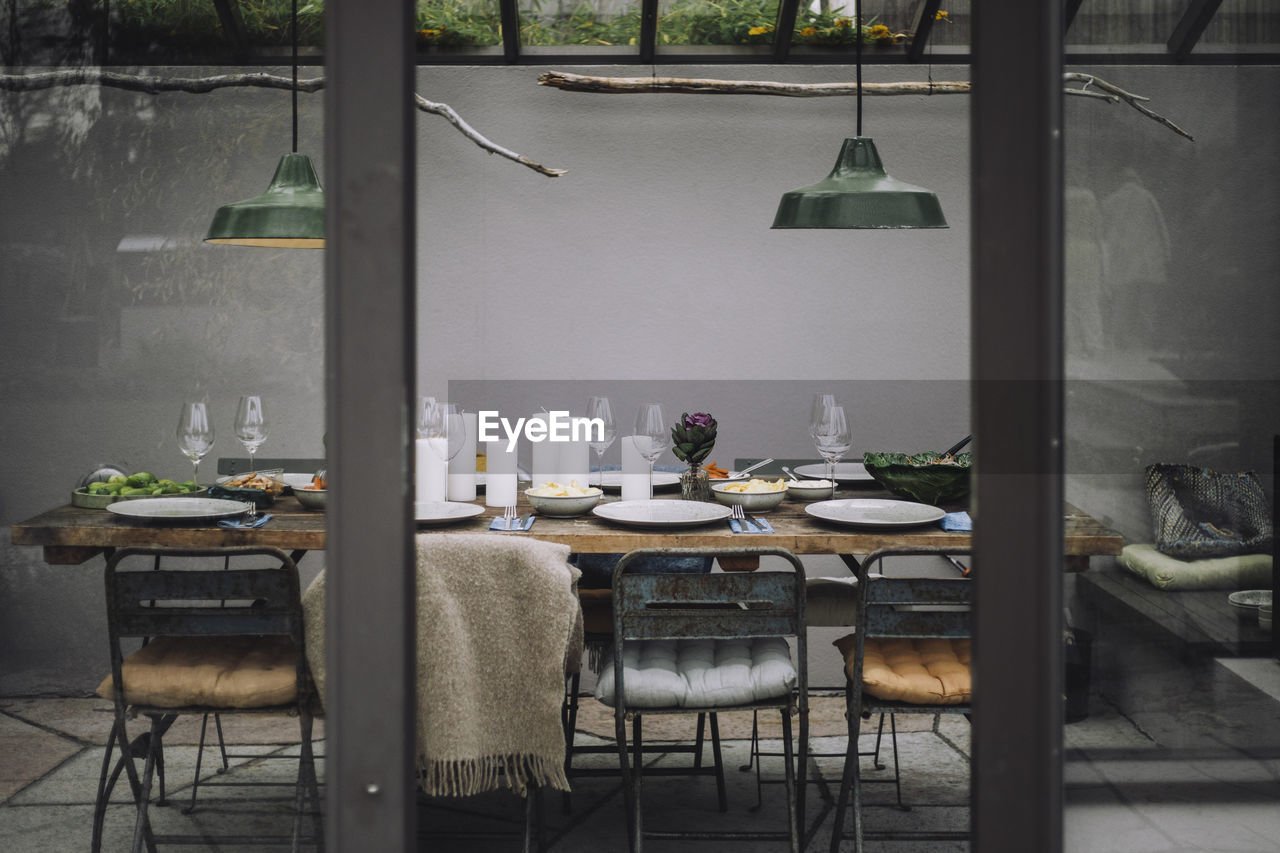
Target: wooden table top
71	535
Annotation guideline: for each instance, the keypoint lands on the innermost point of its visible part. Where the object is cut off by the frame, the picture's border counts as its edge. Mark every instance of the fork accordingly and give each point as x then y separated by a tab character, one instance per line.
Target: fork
740	515
509	513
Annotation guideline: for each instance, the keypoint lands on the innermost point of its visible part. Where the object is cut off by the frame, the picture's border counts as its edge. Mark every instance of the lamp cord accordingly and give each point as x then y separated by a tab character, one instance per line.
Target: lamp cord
295	76
858	58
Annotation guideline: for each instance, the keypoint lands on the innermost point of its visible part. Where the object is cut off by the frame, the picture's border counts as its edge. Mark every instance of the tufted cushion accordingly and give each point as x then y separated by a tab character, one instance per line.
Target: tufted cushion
701	673
919	671
1244	571
222	672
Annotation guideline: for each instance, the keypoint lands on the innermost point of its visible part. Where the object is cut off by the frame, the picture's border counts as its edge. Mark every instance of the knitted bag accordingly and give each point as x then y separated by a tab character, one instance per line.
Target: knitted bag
1198	512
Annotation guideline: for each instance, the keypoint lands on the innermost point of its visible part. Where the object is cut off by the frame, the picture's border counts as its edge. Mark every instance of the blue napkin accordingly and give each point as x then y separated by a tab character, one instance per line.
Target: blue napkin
245	523
957	522
736	526
500	524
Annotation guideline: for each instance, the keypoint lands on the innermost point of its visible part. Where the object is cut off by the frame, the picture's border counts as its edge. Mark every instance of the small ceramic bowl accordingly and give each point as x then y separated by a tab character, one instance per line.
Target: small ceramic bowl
809	490
749	501
311	498
557	506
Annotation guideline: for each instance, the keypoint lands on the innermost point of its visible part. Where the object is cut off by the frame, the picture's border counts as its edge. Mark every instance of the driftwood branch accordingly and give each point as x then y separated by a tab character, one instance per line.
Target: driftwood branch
1093	87
200	85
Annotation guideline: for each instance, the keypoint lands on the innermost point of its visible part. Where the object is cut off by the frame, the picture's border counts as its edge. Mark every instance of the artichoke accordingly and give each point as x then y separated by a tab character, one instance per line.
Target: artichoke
693	437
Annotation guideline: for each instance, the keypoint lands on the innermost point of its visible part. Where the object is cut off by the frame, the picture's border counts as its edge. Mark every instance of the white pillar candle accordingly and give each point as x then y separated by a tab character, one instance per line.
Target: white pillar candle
462	468
430	471
635	470
575	462
500	473
546	453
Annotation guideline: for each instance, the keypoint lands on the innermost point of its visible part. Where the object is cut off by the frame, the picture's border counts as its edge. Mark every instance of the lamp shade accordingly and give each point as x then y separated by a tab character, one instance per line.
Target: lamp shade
290	214
858	194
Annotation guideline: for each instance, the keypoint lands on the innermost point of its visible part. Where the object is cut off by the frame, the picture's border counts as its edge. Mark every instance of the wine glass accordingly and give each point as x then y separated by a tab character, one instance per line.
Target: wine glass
598	408
831	437
444	428
425	407
821	402
653	436
195	435
252	425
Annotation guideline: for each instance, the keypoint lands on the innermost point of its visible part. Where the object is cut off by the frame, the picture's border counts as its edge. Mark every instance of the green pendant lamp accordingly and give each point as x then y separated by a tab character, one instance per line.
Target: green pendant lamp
290	214
858	193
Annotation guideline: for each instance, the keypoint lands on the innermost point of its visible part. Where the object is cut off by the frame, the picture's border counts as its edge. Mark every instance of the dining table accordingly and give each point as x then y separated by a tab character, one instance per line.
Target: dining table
72	535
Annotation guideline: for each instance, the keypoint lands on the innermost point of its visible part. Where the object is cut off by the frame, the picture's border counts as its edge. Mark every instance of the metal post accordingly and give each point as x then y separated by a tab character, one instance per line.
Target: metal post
1017	402
369	310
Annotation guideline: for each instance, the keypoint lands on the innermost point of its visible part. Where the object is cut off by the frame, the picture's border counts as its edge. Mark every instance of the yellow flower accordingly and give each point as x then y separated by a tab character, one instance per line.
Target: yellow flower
942	16
759	31
879	31
809	32
843	23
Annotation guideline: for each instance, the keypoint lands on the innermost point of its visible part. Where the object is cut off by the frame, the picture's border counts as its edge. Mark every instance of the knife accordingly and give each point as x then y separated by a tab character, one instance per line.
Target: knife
749	525
763	524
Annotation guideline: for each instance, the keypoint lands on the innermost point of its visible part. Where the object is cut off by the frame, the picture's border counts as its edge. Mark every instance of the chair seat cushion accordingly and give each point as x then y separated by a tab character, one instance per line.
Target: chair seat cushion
1244	571
919	671
218	672
701	673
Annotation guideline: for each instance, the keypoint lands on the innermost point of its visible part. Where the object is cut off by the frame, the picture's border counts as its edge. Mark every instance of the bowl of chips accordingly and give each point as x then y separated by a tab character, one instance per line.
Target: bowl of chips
561	501
754	495
259	488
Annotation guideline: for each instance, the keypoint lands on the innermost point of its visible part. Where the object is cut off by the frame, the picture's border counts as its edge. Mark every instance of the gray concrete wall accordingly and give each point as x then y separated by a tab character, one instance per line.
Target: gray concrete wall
651	261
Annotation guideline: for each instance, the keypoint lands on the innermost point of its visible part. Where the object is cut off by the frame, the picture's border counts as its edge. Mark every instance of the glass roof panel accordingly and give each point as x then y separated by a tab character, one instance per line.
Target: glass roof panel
1243	26
1124	26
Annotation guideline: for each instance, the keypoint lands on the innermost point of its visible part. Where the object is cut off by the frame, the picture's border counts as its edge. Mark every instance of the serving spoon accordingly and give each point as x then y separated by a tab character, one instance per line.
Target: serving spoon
733	475
787	471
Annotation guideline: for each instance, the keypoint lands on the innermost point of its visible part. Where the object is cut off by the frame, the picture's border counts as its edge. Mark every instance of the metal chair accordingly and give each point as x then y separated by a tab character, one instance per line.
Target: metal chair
895	608
217	640
718	607
597	611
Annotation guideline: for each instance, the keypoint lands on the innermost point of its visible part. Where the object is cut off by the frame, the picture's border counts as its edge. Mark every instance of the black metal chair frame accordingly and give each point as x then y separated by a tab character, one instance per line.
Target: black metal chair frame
896	607
727	605
201	602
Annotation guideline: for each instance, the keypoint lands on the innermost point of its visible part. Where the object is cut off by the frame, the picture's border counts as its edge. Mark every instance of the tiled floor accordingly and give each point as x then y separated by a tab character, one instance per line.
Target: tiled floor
1188	770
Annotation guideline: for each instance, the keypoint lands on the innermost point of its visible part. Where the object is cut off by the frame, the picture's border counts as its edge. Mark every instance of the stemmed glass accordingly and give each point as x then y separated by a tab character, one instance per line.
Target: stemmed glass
252	425
598	408
442	424
821	402
653	435
831	437
195	435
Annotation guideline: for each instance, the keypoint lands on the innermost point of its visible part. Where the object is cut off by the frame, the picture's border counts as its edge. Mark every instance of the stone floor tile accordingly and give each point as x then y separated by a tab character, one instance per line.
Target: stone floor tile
28	754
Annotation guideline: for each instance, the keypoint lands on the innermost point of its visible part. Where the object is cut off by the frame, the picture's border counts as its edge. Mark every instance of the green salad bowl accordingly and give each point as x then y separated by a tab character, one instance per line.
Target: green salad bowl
925	477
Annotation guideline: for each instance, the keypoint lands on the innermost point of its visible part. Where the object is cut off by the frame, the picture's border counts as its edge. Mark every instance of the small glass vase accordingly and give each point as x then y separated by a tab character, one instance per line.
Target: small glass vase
694	484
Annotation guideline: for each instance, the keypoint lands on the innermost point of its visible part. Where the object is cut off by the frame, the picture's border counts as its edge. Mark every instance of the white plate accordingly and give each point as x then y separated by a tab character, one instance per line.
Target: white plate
846	472
662	513
871	512
444	512
179	509
613	480
1245	599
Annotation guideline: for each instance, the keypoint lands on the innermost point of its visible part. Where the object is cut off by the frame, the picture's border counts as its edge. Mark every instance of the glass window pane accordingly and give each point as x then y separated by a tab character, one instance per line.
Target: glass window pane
465	26
1171	252
580	26
697	26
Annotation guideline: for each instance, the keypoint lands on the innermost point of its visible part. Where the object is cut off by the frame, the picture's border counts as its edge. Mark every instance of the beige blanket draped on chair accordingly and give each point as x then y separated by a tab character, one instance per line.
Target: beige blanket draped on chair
497	619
